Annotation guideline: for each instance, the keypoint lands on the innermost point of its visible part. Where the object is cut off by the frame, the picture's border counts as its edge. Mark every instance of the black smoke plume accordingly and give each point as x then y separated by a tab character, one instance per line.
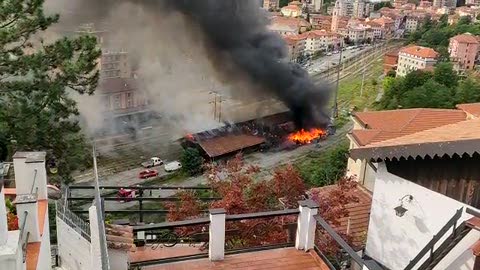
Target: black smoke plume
236	31
240	47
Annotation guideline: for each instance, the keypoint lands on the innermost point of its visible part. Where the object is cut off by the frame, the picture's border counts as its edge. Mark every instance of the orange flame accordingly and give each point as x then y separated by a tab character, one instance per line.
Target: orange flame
303	136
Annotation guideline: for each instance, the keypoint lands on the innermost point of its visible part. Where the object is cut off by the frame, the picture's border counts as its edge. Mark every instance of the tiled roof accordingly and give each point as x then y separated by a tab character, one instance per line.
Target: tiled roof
297	22
458	138
384	125
470	108
120	237
358	213
419	51
465	38
293	39
222	145
318	34
384	20
464	130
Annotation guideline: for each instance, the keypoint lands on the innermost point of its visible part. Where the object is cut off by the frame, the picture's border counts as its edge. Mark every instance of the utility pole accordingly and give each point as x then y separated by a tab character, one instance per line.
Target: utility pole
220	109
214	102
335	102
363	79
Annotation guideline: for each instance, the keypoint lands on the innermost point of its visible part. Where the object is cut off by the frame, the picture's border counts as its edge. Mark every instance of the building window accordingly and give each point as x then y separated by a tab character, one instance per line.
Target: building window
129	100
117	102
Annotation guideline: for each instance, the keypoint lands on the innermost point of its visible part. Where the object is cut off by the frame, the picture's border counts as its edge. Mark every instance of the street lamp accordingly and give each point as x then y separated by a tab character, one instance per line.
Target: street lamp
401	210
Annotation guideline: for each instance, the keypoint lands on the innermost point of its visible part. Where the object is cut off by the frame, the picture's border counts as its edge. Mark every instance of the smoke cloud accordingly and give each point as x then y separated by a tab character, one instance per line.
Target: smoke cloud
184	49
239	41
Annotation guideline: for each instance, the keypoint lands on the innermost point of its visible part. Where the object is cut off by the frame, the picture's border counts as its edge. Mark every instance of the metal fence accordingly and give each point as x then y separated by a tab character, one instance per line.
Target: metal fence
72	220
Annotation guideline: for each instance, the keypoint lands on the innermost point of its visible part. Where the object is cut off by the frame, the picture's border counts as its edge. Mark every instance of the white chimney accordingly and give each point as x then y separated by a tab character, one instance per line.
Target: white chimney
3	216
30	173
27	213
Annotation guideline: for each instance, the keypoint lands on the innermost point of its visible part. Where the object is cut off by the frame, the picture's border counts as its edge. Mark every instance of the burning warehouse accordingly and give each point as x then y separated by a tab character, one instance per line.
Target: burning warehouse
271	132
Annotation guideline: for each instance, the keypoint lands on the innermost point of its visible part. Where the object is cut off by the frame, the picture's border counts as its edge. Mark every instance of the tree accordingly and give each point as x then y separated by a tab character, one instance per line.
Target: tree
192	161
378	6
430	95
468	91
242	192
288	186
36	110
283	3
444	74
327	168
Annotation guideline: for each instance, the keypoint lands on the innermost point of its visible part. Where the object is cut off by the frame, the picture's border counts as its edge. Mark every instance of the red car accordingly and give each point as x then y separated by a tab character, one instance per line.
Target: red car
147	174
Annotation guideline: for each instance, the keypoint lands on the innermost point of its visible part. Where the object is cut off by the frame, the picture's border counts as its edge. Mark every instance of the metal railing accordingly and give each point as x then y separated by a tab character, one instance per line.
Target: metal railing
72	220
346	251
259	231
24	242
194	235
34	181
451	224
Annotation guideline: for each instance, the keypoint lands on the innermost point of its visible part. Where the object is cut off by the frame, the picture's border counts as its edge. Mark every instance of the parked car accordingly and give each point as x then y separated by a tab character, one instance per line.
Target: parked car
173	166
328	54
147	174
154	161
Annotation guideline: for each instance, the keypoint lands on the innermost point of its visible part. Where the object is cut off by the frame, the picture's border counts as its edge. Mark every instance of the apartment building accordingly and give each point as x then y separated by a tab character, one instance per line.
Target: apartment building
318	40
415	58
463	51
115	64
296	46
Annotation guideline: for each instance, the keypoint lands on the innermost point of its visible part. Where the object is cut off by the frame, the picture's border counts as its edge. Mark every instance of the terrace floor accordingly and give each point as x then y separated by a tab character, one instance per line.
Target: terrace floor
282	258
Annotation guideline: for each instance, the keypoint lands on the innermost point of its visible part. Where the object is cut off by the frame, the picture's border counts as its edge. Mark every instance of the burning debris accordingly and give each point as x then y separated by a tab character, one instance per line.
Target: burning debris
307	136
263	134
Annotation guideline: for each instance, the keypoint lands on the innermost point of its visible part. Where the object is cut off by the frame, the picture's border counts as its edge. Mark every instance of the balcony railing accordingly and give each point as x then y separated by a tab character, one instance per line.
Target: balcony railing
220	234
74	221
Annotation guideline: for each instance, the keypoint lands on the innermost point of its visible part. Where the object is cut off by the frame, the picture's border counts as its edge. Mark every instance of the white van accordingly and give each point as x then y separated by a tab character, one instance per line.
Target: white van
173	166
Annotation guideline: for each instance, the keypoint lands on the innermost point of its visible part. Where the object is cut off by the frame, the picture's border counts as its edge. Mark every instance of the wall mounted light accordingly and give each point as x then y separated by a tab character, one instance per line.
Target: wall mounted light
401	210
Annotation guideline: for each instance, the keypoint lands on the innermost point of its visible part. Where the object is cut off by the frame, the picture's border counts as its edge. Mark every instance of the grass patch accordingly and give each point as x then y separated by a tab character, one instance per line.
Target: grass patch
350	95
325	168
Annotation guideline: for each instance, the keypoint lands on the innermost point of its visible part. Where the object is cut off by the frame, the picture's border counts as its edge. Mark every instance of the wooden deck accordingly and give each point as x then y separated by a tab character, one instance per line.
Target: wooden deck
283	258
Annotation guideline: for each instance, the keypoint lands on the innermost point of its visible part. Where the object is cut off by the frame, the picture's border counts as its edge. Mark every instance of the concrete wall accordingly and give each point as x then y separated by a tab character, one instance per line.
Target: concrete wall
461	256
118	259
393	240
45	255
73	249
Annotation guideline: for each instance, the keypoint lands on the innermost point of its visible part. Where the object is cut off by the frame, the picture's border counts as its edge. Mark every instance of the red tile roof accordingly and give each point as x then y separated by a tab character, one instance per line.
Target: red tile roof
385	125
222	145
419	51
470	108
476	248
461	131
120	237
359	213
465	38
